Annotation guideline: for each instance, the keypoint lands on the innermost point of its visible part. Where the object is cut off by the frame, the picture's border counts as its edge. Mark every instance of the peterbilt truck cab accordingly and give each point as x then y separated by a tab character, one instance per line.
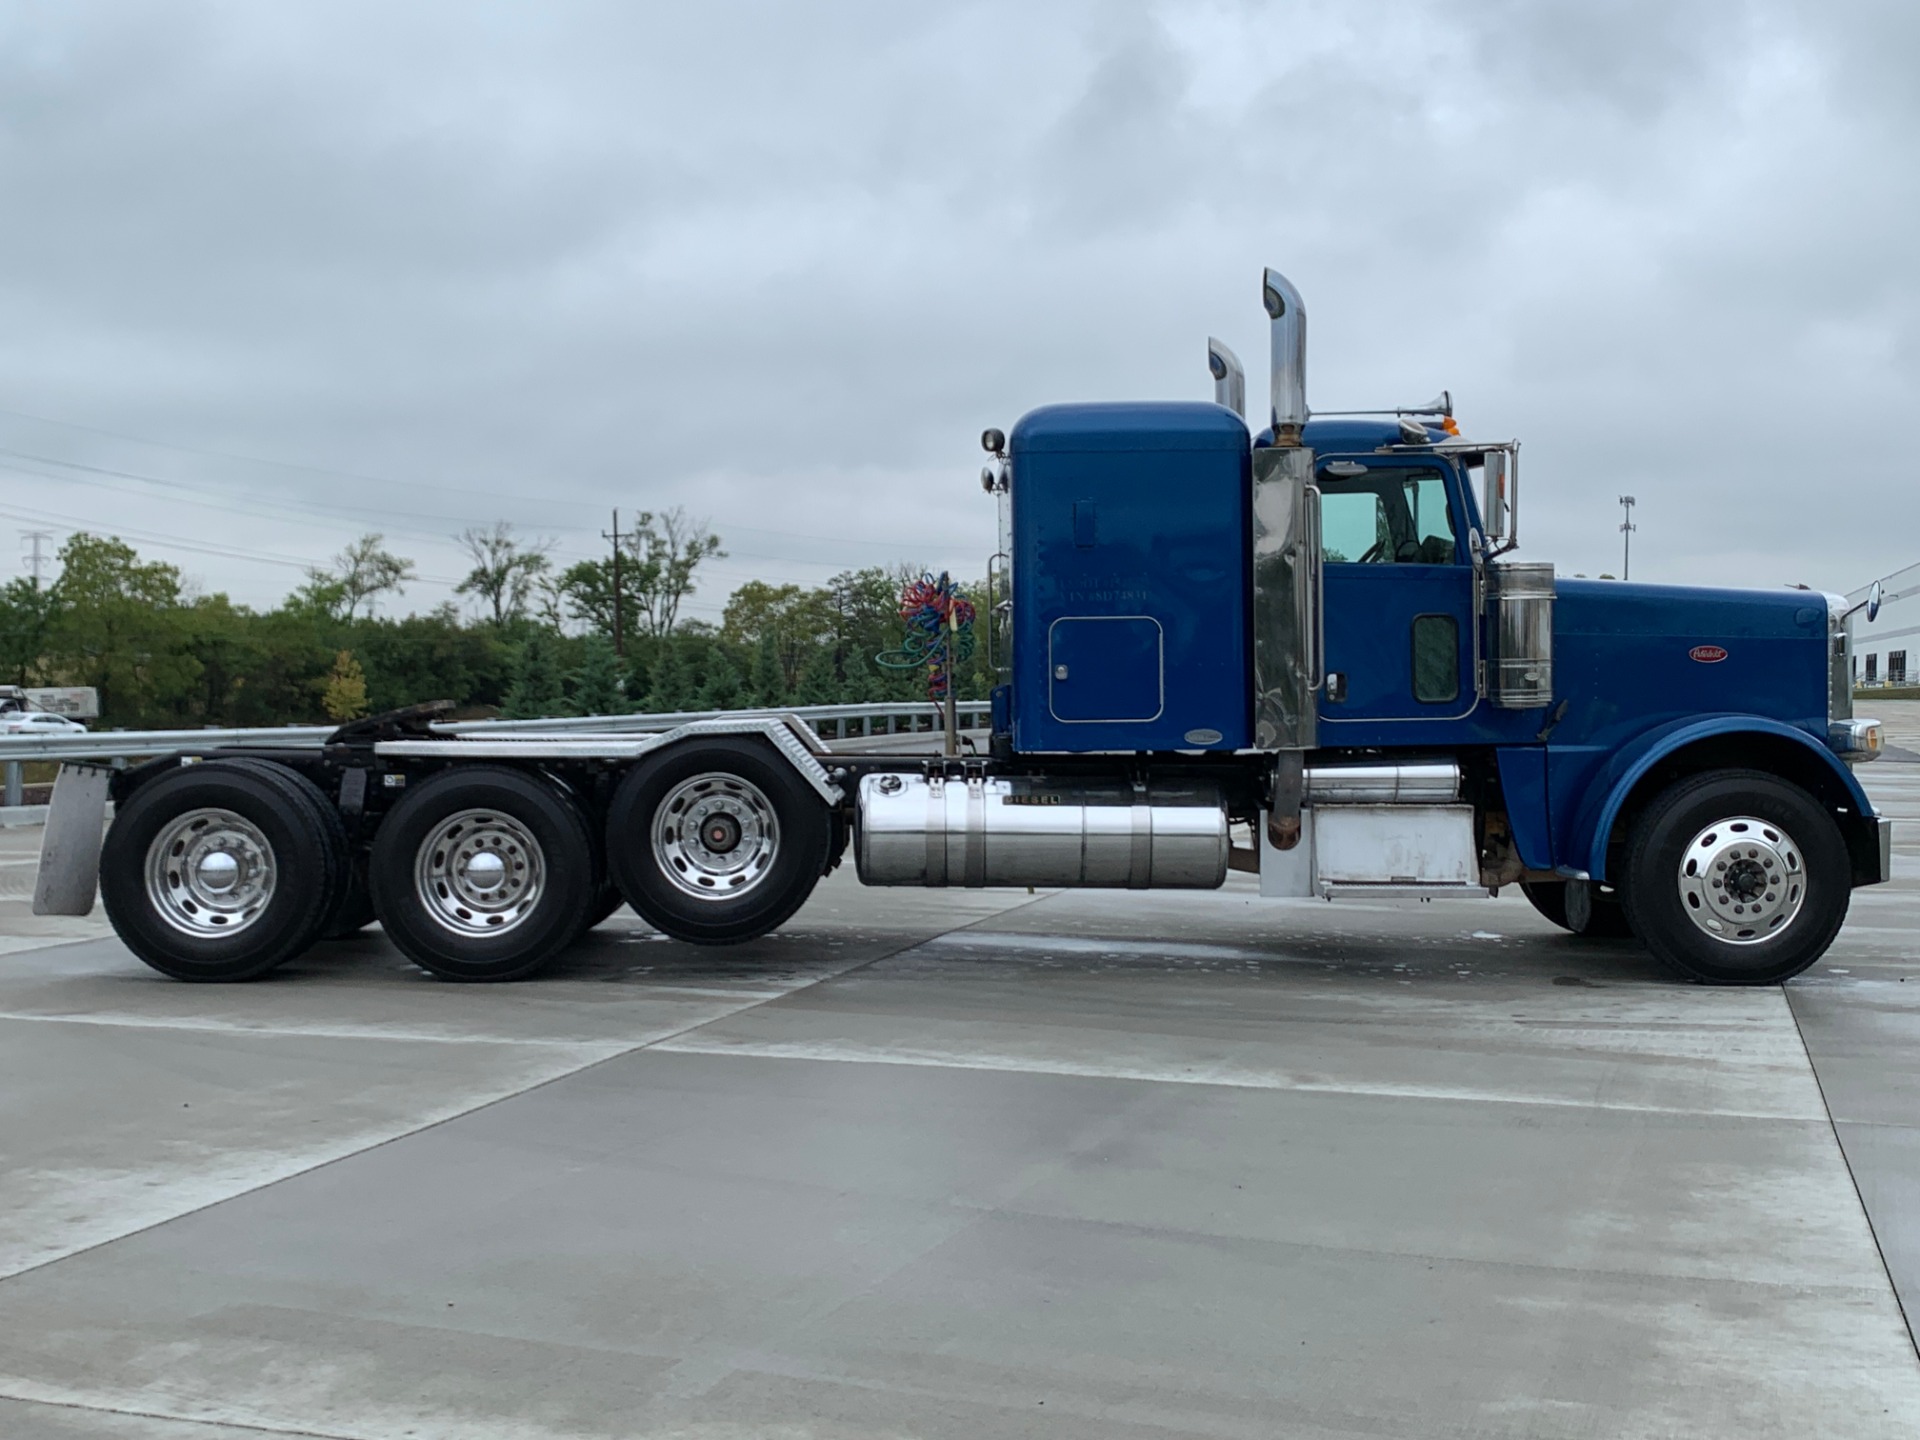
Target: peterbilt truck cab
1304	652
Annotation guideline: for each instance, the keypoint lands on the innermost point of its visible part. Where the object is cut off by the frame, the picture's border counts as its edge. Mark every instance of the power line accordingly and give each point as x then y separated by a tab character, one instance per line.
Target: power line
154	537
716	569
381	516
387	483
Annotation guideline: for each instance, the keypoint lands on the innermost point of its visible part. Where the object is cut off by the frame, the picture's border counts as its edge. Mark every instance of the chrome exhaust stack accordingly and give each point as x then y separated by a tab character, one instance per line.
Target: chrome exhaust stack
1289	315
1289	660
1229	377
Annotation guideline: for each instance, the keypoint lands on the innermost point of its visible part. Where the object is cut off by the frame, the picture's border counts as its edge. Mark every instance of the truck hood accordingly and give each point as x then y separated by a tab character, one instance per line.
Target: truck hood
1628	656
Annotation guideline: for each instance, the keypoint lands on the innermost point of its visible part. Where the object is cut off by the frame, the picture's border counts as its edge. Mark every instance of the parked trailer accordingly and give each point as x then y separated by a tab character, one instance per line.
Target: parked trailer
1309	631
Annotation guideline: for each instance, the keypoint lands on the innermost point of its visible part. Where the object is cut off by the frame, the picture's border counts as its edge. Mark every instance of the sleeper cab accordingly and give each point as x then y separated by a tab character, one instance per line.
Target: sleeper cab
1130	590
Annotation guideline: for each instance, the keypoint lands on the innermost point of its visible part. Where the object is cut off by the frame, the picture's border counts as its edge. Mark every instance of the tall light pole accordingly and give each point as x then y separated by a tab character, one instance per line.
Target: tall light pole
1627	527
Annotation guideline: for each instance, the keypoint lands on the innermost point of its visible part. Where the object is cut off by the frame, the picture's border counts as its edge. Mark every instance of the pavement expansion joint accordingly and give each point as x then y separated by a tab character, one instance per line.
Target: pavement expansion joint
589	1054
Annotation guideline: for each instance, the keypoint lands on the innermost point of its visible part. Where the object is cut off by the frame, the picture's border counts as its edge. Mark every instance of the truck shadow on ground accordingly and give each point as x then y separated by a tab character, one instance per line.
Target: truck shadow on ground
631	954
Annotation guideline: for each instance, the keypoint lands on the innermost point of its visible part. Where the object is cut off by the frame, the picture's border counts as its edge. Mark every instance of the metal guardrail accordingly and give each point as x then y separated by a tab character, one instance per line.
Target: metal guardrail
834	722
142	744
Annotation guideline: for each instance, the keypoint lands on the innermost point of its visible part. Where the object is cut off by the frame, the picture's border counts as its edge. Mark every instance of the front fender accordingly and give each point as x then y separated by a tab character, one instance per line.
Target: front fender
1605	797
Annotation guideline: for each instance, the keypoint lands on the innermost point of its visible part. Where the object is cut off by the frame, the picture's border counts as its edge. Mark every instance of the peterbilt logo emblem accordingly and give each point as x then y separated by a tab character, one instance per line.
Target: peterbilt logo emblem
1707	654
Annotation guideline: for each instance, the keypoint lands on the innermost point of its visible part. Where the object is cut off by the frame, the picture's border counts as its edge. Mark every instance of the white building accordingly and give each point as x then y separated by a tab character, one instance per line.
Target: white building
1882	646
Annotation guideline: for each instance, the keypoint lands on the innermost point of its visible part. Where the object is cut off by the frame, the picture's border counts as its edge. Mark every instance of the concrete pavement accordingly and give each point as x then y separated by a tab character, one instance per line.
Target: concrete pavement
990	1164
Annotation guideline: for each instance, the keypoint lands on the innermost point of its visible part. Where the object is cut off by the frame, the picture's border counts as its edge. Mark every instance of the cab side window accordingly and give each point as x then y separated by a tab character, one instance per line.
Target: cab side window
1386	517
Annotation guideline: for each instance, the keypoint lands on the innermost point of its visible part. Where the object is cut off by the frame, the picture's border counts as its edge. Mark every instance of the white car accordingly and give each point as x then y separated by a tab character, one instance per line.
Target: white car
38	722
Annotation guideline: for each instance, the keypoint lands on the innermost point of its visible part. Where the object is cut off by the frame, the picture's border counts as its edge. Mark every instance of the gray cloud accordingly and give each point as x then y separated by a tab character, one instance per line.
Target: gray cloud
781	264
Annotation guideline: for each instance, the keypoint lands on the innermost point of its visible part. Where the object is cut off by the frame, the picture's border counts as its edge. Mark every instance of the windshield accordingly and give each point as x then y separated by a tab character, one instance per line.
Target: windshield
1386	517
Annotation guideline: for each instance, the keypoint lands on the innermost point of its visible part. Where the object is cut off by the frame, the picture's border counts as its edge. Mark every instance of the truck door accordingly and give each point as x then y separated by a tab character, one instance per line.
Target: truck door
1399	603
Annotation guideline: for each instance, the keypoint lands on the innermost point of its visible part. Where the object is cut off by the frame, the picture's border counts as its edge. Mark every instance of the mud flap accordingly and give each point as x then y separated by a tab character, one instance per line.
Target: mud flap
69	875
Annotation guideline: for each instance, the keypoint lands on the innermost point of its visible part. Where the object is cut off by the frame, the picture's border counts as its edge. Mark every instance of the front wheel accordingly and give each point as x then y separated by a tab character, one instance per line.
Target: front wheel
1737	878
716	841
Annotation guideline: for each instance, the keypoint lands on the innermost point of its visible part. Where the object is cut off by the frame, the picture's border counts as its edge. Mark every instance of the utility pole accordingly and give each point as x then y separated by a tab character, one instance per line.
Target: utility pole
36	561
619	638
1627	527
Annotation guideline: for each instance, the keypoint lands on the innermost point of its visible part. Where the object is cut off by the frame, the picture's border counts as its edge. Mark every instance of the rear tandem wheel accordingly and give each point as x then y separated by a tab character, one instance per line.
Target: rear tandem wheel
483	873
220	870
717	841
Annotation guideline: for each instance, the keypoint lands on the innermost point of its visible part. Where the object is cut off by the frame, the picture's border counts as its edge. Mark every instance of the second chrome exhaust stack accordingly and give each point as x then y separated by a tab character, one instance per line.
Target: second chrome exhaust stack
1229	377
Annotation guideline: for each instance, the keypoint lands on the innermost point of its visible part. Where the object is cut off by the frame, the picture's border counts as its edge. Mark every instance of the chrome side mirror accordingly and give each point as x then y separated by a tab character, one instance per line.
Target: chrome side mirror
1494	509
1873	602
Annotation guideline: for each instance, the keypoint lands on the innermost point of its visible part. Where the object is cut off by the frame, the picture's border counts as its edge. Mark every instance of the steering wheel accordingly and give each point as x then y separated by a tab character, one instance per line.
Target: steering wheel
1379	548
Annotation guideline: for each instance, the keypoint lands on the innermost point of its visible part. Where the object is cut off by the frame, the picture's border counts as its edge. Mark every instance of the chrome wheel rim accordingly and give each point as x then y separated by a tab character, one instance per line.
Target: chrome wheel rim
480	872
715	836
1742	880
210	872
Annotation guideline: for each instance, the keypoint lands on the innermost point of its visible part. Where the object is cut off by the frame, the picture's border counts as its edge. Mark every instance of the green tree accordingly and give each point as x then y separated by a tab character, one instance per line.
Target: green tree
230	646
536	692
596	683
818	683
793	620
344	696
767	681
27	613
862	610
659	561
118	628
722	688
361	573
670	547
584	592
673	685
435	657
505	569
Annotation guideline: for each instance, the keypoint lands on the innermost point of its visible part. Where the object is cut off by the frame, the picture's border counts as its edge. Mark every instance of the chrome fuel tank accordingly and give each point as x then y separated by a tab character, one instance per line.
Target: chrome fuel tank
990	830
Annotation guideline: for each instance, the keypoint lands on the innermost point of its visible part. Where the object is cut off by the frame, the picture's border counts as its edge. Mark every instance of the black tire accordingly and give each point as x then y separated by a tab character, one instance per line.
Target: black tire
351	908
353	912
766	893
1575	906
1789	822
610	899
306	867
424	925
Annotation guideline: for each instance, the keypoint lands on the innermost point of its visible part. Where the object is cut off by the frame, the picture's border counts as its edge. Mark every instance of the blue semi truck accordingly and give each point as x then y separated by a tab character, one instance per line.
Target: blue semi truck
1300	653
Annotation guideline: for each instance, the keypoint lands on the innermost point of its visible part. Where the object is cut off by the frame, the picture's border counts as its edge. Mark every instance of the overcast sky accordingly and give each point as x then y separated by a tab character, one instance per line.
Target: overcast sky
309	270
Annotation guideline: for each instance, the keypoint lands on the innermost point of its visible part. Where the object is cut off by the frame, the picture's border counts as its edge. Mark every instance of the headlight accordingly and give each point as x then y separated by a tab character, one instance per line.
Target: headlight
1856	740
